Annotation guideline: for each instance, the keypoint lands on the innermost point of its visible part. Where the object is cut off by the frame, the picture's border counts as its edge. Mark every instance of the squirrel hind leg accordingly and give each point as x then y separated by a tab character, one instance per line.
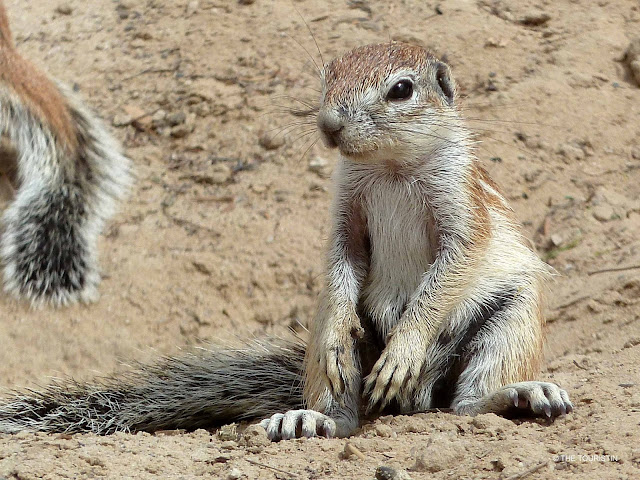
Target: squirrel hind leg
501	362
474	364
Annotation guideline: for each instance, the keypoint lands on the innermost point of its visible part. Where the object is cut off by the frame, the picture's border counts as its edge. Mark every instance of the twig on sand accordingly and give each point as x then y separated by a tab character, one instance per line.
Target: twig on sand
528	472
253	462
613	269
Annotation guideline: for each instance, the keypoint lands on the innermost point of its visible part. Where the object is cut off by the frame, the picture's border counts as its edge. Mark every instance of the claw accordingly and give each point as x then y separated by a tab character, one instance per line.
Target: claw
298	423
385	382
335	380
357	333
514	397
272	426
565	399
541	398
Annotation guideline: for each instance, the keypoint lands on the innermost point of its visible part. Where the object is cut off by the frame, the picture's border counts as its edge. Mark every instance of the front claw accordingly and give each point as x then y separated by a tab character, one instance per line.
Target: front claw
391	375
298	423
338	368
339	363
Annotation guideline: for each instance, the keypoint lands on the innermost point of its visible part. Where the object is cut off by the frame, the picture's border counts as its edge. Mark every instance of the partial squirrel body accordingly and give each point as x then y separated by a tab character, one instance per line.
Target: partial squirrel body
69	174
432	296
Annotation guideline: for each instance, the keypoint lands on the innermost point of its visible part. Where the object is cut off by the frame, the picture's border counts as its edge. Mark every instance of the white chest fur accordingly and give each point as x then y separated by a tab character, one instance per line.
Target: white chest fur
403	247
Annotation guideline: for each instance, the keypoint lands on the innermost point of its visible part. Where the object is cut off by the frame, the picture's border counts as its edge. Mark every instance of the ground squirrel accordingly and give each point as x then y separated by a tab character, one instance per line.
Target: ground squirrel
432	295
67	171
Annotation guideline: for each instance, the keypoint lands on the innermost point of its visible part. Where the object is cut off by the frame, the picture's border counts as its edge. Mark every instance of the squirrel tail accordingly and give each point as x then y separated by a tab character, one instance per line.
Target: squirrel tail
64	195
202	389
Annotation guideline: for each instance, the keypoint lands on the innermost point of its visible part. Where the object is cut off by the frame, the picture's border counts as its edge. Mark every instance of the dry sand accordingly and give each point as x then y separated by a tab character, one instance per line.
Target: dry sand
223	236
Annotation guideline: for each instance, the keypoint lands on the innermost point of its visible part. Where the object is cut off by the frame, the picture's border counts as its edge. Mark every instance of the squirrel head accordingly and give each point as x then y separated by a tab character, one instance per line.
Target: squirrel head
387	101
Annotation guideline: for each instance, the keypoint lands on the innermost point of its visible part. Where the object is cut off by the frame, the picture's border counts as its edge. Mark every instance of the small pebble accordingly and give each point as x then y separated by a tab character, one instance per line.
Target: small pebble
180	131
535	19
176	118
388	473
121	120
383	430
318	165
64	9
192	7
556	239
228	445
271	141
632	59
234	474
255	436
603	213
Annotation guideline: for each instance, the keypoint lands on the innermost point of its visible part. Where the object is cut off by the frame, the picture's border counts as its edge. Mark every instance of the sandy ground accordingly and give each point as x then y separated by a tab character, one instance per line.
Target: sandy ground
223	232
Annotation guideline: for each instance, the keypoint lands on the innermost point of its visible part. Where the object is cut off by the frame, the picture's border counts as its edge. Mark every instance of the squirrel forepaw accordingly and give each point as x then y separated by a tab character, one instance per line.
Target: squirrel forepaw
396	371
337	357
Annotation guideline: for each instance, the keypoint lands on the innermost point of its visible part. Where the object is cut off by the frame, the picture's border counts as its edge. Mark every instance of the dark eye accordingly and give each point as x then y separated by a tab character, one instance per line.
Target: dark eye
402	90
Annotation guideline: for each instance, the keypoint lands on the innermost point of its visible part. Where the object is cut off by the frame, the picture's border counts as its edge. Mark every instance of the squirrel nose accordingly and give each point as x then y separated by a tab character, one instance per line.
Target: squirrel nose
331	122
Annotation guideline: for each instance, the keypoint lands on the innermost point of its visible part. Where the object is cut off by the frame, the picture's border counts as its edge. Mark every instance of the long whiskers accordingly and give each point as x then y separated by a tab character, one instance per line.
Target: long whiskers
312	36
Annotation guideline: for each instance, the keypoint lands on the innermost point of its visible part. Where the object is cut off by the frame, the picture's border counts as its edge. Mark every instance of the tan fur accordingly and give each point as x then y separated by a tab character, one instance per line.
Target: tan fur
34	88
6	40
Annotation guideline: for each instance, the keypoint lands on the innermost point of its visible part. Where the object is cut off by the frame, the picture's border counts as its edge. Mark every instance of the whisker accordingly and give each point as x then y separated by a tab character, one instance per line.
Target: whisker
451	142
308	148
295	99
318	70
302	136
312	35
282	109
286	129
516	122
464	104
450	127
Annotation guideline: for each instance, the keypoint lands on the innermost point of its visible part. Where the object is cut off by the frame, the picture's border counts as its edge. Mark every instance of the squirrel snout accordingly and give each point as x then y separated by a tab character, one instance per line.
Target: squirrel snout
331	123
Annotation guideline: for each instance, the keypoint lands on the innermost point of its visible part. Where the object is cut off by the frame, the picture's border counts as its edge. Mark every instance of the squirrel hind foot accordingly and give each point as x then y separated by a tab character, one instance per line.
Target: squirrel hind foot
532	397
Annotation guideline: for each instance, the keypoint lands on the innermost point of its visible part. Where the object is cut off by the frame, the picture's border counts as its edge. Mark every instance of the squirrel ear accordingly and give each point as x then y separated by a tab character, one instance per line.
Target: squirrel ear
445	82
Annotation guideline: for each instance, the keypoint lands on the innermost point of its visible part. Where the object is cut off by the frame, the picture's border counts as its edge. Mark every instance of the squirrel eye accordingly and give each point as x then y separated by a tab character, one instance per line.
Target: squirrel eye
402	90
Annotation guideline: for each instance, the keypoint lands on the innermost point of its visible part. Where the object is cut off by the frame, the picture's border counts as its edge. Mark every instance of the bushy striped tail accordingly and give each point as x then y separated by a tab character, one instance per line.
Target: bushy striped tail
203	389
